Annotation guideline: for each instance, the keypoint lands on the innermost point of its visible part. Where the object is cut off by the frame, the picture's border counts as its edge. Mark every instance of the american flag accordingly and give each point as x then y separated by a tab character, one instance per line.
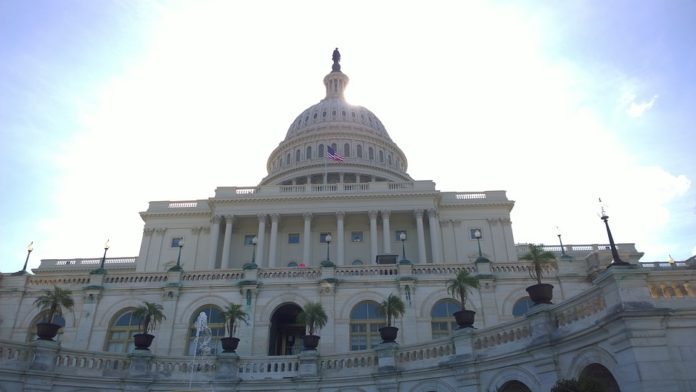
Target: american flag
333	155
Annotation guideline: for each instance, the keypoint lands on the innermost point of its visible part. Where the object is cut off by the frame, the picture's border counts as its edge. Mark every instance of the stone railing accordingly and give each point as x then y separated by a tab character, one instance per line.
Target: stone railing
442	269
113	263
579	308
580	250
39	280
666	265
212	275
135	278
92	363
275	367
502	334
520	268
671	289
486	197
278	190
417	355
367	270
356	362
289	273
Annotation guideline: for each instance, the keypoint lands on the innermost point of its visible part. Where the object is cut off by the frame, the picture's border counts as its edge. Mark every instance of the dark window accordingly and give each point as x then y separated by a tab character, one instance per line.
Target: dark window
294	238
397	234
346	149
297	155
308	153
321	151
249	239
322	237
175	241
371	153
356	236
359	151
472	233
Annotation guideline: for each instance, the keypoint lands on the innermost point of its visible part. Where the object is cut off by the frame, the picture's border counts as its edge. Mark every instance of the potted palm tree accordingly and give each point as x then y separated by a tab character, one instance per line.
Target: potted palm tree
54	301
150	314
314	318
391	308
540	293
459	288
233	314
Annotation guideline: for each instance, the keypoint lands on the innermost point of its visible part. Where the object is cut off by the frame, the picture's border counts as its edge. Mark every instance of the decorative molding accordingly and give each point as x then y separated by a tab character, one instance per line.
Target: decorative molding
307	216
196	230
215	219
275	217
340	214
372	214
432	213
385	214
229	218
160	230
148	231
418	213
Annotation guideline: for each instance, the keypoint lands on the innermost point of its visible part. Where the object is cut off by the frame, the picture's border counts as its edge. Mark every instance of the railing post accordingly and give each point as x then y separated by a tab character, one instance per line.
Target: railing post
227	367
386	356
140	363
44	355
309	363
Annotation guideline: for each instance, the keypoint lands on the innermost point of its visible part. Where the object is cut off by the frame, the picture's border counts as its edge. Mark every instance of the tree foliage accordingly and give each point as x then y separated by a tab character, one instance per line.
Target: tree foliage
150	314
55	301
540	258
459	286
392	308
313	317
234	313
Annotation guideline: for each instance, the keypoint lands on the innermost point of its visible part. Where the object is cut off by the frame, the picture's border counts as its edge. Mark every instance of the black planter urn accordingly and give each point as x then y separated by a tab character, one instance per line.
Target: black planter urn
310	342
143	341
465	318
47	331
540	293
229	345
388	334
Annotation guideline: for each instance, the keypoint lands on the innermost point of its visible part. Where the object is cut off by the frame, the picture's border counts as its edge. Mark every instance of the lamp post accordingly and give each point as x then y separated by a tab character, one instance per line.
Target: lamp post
328	244
402	238
480	259
177	267
563	253
614	253
101	269
30	248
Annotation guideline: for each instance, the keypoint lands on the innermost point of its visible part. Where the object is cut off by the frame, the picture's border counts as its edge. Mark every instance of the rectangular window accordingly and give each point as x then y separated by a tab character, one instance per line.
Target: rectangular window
249	239
322	237
397	235
356	236
175	241
474	233
294	238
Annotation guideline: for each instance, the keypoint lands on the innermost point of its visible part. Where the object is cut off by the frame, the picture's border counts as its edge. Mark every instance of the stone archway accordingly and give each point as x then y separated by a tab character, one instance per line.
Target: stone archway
285	334
514	386
601	375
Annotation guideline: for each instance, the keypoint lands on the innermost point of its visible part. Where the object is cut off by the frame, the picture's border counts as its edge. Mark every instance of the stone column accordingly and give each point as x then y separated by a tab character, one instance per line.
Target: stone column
340	257
435	242
227	242
261	240
272	262
421	236
90	301
373	235
386	232
307	251
144	249
459	241
214	237
448	242
151	267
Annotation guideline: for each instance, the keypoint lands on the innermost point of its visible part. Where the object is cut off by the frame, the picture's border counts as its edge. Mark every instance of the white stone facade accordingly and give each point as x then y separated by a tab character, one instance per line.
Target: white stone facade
637	323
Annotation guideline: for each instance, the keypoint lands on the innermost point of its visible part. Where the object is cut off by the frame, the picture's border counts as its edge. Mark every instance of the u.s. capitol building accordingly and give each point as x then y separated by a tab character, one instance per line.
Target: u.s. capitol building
338	220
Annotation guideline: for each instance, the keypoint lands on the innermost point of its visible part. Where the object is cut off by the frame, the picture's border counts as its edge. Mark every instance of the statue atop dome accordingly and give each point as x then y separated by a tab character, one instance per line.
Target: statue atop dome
336	57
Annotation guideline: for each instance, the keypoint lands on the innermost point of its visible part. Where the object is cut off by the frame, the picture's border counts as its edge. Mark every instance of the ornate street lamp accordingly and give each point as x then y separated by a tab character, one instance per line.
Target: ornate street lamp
30	248
480	259
563	253
328	244
614	253
101	269
177	267
402	238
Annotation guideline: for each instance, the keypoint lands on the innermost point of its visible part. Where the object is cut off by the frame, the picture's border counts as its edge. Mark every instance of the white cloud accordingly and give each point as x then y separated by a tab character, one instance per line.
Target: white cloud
637	109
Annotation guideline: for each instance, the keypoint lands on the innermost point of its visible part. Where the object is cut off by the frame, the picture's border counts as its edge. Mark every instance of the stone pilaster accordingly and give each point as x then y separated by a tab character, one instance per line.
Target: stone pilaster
227	242
418	214
307	239
272	252
386	231
214	238
373	235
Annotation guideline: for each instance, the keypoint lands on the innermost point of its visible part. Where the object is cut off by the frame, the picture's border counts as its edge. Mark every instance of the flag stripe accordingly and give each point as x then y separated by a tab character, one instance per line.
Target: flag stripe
333	155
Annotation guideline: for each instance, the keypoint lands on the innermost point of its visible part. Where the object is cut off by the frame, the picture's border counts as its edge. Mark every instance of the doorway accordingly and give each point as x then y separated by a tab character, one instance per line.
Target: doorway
286	333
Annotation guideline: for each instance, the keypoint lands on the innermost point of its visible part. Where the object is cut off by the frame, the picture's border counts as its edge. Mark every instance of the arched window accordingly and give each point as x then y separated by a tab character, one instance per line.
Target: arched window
371	153
287	160
365	322
41	317
308	153
119	338
442	322
216	323
521	307
381	156
333	145
321	151
389	159
346	149
297	155
514	386
359	151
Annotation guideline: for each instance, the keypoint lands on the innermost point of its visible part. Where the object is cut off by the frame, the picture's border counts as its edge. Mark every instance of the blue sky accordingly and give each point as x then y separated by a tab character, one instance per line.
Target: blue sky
107	105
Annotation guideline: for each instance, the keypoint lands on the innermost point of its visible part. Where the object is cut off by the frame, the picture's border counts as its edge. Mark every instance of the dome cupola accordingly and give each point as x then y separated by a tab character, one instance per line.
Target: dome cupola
357	137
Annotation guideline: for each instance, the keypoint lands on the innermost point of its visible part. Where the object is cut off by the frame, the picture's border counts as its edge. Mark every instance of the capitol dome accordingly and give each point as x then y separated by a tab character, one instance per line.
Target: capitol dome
362	148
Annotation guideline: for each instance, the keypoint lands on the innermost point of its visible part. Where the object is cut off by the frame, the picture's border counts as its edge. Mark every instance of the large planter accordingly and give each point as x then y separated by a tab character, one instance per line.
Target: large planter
465	318
388	334
143	341
229	345
310	342
540	293
47	331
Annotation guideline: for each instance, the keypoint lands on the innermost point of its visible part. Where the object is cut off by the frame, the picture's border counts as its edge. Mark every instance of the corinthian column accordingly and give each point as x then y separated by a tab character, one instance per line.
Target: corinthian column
435	242
214	237
307	250
225	263
339	238
373	235
272	262
261	240
386	231
421	236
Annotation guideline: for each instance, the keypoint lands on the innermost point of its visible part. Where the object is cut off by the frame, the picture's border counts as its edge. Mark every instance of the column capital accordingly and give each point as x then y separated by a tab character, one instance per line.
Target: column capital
385	213
275	217
216	219
418	212
148	231
229	218
262	217
307	215
196	230
160	230
446	222
372	214
340	214
432	212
